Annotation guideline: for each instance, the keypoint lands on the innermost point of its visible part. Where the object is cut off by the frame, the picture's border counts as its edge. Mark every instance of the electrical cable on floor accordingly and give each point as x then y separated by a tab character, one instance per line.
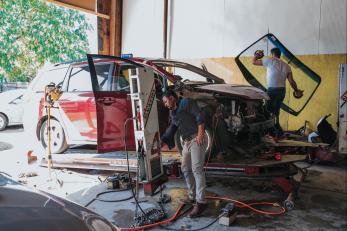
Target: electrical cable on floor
155	224
198	229
127	156
103	200
239	204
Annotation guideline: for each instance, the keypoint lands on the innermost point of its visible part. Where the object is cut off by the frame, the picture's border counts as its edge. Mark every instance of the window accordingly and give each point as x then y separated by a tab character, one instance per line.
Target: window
187	75
52	76
121	82
80	79
17	100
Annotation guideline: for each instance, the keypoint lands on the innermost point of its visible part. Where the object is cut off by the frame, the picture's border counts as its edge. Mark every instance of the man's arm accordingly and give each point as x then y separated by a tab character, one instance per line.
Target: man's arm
293	84
200	120
168	135
257	61
201	133
257	58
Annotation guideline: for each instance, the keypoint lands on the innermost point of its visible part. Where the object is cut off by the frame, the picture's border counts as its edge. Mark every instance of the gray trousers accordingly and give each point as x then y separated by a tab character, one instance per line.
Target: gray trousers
192	166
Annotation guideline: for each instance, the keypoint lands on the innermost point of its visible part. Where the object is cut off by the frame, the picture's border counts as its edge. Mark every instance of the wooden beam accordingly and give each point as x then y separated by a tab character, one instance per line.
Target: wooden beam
103	36
85	6
116	27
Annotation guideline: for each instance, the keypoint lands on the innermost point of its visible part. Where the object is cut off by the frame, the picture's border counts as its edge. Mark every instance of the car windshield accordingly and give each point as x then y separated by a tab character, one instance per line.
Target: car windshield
187	72
305	78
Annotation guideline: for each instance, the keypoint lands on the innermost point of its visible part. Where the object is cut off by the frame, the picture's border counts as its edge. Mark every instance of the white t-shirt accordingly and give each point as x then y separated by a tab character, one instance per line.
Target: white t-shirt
276	72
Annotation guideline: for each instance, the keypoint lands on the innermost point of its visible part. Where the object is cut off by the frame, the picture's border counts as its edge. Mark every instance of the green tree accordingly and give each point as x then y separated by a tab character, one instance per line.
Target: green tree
33	32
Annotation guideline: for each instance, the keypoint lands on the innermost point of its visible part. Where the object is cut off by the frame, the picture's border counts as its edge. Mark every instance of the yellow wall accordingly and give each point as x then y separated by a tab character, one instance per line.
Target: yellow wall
323	102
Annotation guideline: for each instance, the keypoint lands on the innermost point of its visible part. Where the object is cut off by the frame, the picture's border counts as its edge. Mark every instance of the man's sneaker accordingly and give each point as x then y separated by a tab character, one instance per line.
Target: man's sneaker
197	210
186	200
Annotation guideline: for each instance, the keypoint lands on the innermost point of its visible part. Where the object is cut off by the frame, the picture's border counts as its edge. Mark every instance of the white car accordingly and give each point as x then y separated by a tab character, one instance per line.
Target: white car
11	108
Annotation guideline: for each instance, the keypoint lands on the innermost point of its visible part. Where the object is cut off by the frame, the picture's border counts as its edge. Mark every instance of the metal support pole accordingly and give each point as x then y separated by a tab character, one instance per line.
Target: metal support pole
49	143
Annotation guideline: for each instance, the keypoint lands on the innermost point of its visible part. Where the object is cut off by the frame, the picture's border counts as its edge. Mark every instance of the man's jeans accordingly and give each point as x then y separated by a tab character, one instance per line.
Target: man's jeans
276	98
193	169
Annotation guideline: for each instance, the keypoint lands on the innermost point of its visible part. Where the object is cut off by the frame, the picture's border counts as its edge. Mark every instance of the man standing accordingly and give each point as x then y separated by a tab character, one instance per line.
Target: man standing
277	71
188	119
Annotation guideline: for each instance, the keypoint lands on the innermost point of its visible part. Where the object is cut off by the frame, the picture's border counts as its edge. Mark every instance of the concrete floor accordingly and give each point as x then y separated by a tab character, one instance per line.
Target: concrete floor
322	202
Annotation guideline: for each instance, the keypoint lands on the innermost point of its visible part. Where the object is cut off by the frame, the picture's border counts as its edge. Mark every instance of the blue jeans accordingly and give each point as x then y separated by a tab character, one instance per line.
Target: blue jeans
276	95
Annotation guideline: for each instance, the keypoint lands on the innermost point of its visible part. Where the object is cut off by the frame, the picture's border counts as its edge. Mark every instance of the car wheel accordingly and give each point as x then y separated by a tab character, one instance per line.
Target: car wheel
208	142
3	122
58	139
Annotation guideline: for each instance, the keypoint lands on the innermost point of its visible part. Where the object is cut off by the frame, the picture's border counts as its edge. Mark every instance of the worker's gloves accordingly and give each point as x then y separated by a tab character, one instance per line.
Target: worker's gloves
259	54
298	93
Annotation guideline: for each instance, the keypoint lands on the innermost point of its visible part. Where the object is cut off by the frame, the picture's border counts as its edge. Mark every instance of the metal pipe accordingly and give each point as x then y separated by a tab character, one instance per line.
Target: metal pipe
165	29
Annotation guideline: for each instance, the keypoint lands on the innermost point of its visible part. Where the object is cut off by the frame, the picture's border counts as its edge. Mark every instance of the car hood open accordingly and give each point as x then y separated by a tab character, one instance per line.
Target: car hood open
244	91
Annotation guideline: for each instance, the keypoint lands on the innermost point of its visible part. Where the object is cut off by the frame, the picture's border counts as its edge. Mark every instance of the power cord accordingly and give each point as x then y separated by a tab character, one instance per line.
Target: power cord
103	200
127	155
204	227
239	204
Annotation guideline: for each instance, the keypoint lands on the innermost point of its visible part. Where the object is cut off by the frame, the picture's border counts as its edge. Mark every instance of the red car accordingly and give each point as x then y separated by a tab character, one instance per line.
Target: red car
93	111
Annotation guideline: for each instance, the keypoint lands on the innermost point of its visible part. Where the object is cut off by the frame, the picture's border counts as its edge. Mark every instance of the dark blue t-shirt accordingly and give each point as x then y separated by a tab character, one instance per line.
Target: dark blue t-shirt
185	118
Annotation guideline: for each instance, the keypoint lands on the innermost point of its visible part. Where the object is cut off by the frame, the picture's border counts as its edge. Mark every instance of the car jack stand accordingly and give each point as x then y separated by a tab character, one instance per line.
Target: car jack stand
52	94
290	186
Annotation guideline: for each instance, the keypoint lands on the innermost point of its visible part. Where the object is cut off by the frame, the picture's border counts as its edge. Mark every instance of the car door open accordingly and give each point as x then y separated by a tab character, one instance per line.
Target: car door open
113	105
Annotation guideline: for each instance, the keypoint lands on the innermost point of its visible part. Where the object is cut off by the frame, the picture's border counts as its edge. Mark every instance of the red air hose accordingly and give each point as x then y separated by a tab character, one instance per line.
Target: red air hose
239	204
157	223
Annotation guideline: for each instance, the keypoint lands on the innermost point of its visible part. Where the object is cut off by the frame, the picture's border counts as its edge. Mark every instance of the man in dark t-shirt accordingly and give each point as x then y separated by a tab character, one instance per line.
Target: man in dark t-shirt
187	117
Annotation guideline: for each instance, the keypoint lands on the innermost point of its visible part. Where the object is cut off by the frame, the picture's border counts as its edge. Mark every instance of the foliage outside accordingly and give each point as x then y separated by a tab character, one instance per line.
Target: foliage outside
33	32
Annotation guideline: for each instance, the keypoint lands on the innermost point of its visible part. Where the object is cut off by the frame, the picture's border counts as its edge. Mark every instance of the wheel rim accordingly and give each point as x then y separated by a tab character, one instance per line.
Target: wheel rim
57	136
2	122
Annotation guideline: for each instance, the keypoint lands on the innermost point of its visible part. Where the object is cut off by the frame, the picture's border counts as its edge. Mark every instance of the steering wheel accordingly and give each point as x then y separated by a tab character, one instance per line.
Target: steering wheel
185	80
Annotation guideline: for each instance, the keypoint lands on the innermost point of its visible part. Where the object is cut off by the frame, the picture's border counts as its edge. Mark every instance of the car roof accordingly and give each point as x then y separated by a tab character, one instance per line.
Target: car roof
158	63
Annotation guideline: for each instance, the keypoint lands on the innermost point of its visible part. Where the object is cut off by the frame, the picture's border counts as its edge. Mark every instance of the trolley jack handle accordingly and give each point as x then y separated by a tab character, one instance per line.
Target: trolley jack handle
52	94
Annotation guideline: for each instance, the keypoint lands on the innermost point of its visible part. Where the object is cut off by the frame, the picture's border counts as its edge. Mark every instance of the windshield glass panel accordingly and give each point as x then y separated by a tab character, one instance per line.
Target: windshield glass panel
186	75
305	78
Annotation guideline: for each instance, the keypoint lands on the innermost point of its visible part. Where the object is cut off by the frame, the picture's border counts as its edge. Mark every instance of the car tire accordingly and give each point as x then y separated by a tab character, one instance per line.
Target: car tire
208	138
3	122
58	139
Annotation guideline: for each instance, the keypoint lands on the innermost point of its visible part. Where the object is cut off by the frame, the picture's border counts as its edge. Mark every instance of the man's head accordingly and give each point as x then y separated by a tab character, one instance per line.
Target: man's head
170	99
276	52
